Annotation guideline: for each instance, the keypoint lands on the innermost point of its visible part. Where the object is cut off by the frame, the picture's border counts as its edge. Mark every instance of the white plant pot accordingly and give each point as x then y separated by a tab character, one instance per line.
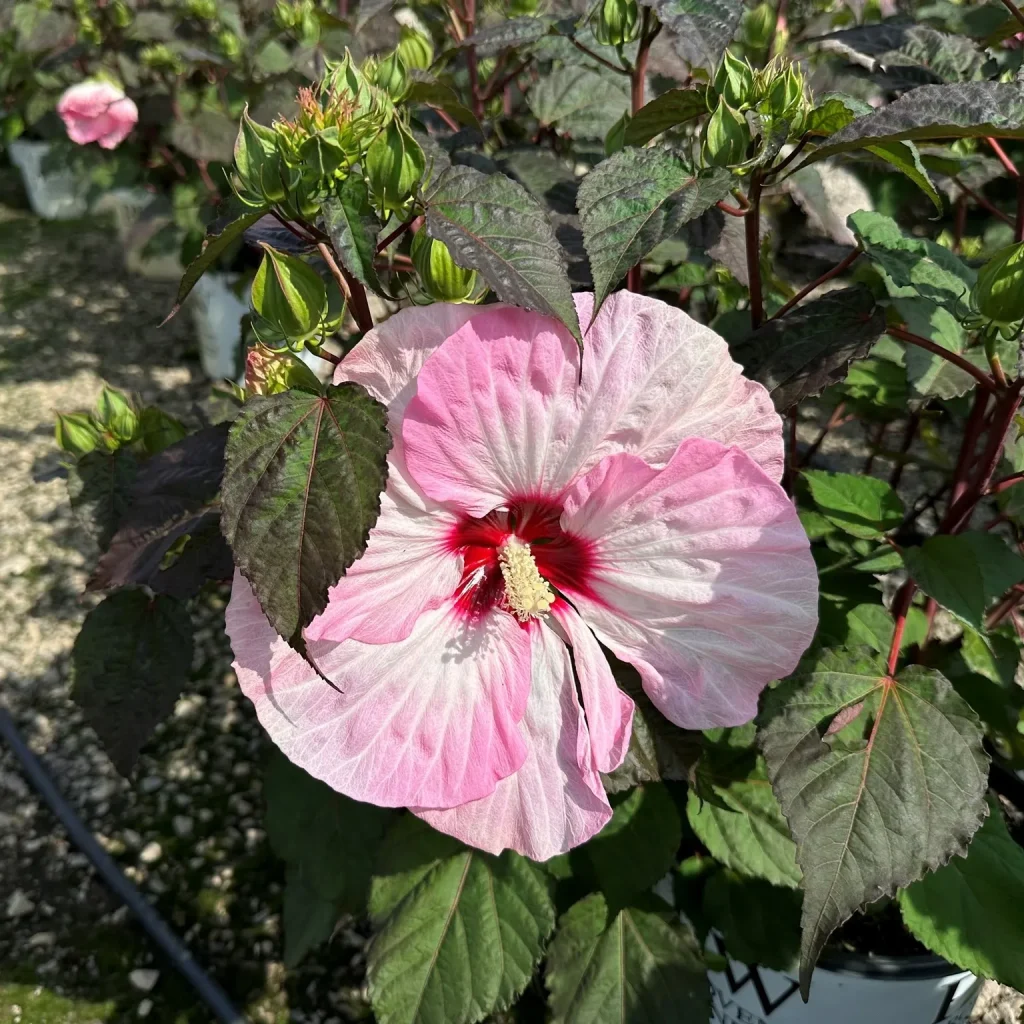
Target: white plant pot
138	216
217	314
53	195
851	989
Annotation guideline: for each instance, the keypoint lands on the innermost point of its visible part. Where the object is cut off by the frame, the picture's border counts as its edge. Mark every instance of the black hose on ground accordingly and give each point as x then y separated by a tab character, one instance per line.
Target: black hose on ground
206	988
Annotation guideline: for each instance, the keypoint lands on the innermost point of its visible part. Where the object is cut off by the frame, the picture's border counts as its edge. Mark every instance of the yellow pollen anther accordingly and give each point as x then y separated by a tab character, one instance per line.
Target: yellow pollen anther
527	593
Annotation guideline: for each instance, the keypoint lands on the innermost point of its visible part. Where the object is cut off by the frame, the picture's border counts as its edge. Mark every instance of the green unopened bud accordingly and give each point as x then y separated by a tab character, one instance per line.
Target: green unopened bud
229	43
758	25
734	81
415	49
289	295
726	136
116	414
999	291
618	22
258	161
309	27
121	14
786	94
442	279
77	433
204	10
286	15
392	76
517	8
394	164
269	373
324	155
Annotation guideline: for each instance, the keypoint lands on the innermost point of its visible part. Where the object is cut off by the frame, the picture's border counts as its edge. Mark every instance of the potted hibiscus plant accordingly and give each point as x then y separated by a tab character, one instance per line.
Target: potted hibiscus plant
582	661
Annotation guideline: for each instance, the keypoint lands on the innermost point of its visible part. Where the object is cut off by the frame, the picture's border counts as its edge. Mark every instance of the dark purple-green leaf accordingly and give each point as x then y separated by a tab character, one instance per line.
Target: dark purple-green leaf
700	29
670	109
301	491
129	663
861	765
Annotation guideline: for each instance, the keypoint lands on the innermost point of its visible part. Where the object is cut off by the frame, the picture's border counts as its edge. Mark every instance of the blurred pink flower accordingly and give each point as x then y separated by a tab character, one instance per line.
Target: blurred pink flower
97	112
531	509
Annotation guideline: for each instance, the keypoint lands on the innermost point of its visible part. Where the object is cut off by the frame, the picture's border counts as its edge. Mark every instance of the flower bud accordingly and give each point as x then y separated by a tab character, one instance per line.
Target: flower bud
394	164
758	25
323	155
734	81
618	22
786	94
442	279
77	433
121	14
268	372
203	10
415	49
392	76
289	295
229	43
726	136
999	291
116	414
257	160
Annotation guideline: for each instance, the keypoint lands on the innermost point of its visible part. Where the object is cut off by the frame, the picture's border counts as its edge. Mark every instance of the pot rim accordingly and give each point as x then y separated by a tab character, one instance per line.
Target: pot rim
894	968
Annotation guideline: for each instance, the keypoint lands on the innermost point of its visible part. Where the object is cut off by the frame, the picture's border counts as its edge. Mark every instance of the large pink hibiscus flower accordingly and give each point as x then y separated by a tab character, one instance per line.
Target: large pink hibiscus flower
532	514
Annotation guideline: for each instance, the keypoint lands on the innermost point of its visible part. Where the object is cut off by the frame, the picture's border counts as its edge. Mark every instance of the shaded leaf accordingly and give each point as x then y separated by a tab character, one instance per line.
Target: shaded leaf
701	29
965	572
463	943
353	227
206	135
172	502
913	267
99	487
970	910
308	918
213	248
658	749
906	158
967	110
493	225
860	764
872	624
436	94
672	108
328	838
745	829
638	845
506	34
862	506
580	101
301	491
129	663
930	374
635	966
634	200
799	355
759	922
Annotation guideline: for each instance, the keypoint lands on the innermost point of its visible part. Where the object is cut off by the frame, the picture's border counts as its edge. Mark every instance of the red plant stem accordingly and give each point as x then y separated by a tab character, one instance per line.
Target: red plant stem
469	20
733	211
753	239
778	32
804	292
973	430
600	60
1003	158
833	421
446	117
983	202
1014	10
293	228
204	173
1018	227
397	233
350	288
930	609
908	439
634	278
494	87
786	161
876	444
900	608
983	379
1001	485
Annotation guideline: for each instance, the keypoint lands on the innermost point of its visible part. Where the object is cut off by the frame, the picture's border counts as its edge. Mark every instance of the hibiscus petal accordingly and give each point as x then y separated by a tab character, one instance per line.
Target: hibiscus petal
703	578
431	720
609	711
653	376
388	358
97	111
494	413
551	804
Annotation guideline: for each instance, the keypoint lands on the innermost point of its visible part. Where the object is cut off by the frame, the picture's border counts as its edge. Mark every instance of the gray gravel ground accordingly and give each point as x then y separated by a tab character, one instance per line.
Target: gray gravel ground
188	829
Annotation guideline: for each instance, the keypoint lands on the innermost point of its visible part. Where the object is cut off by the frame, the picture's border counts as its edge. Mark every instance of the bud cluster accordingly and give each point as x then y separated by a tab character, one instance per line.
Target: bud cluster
998	297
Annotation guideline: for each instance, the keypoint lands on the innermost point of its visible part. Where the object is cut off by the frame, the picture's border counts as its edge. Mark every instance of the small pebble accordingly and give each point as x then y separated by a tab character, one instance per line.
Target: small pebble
19	904
144	1007
144	978
182	826
151	853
